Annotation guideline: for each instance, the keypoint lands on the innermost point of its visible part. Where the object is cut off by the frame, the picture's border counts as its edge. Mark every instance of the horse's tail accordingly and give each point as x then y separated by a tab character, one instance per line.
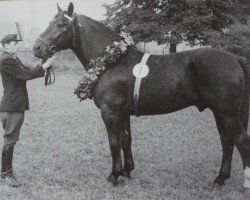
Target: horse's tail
244	109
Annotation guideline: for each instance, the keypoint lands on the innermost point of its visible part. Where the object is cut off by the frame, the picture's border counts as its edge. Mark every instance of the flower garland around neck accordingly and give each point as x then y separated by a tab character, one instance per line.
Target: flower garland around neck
98	66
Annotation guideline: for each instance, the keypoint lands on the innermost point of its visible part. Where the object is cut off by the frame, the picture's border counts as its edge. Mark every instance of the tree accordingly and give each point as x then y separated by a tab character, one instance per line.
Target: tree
174	21
242	11
236	39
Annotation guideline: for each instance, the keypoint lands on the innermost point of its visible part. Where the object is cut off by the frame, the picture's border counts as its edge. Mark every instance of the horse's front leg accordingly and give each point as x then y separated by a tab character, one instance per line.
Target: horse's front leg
126	146
112	120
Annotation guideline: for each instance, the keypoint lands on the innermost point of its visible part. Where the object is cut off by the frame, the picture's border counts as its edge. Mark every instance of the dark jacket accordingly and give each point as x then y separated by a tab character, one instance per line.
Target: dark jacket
14	75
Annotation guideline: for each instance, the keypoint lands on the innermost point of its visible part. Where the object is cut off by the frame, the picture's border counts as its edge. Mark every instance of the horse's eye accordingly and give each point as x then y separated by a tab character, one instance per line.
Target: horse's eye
60	25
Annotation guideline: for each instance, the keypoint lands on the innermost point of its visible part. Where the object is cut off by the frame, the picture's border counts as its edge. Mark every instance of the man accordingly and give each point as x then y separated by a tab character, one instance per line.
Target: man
14	101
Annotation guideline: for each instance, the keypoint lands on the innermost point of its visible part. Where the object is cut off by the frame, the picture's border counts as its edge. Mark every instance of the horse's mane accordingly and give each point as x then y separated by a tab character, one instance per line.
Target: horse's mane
98	25
83	19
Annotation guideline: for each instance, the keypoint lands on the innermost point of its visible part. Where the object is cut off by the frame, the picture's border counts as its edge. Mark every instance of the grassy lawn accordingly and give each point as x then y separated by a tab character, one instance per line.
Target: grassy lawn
63	152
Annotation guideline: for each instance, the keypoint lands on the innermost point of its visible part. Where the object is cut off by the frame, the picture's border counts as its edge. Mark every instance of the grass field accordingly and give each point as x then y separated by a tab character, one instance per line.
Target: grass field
63	153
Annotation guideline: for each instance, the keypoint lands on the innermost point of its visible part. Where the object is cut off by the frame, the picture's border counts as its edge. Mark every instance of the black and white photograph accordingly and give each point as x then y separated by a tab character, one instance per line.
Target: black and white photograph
124	99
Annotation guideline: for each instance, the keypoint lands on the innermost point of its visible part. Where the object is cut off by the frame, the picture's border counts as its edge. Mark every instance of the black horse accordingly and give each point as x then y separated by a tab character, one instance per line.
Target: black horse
205	78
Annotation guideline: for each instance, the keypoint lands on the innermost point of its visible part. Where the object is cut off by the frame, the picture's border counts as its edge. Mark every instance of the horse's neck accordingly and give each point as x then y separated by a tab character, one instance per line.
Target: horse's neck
92	39
134	54
79	52
132	57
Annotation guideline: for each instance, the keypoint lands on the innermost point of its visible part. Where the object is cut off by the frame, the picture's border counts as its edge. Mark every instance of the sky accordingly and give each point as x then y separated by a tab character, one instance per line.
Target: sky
35	15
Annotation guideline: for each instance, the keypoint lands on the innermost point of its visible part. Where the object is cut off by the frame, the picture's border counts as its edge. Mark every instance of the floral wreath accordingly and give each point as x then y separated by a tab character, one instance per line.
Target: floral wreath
98	66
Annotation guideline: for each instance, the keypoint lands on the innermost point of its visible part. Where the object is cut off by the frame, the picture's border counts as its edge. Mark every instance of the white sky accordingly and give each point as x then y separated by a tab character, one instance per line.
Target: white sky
36	14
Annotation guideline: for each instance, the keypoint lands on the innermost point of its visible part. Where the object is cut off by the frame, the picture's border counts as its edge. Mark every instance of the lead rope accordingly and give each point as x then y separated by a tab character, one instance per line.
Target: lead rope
47	79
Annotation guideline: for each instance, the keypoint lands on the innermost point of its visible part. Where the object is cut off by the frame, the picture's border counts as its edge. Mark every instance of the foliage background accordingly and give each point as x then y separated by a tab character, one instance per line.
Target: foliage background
203	22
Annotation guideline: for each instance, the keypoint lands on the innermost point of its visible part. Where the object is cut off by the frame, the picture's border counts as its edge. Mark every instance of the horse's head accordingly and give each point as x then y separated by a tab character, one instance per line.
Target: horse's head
86	37
58	35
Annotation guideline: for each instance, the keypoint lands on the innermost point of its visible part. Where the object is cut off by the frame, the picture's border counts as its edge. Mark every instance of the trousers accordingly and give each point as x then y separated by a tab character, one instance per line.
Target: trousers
12	123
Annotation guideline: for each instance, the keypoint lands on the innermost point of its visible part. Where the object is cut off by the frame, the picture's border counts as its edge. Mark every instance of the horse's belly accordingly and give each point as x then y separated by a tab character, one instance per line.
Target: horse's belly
153	102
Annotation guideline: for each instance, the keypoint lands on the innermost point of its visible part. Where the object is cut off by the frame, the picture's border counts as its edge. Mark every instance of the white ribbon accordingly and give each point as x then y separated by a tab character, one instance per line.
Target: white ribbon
68	17
140	71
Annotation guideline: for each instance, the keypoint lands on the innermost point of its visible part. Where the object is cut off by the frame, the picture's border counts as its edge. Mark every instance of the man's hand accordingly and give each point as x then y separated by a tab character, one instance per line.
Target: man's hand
49	62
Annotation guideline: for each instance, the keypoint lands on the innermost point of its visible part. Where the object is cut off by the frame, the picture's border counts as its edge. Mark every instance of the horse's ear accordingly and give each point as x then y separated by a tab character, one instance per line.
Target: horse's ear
59	9
70	9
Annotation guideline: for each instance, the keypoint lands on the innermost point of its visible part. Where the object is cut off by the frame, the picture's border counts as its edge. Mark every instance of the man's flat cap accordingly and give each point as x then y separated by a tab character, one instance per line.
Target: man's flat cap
8	38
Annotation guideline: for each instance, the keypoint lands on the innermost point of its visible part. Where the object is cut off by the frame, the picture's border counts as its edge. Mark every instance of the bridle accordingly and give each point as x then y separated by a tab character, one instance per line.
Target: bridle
51	47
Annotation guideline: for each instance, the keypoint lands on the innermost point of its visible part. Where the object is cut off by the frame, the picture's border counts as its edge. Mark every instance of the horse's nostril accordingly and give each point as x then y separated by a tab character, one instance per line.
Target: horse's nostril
37	47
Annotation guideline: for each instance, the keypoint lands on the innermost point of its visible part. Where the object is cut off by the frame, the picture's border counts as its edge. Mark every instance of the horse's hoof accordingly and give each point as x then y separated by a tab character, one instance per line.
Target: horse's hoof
246	193
112	179
126	174
219	181
217	185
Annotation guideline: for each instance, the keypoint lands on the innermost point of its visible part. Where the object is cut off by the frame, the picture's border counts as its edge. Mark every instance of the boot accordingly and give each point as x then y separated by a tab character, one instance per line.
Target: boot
7	175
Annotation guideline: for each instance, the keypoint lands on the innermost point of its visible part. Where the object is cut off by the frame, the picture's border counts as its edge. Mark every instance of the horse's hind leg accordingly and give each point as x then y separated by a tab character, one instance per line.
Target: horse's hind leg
227	152
126	146
233	128
113	125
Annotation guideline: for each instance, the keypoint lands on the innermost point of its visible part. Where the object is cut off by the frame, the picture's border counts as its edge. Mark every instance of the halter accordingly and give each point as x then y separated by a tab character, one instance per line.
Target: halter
51	48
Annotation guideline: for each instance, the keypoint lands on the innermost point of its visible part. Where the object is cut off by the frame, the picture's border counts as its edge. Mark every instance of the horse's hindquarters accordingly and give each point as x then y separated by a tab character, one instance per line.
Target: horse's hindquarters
219	80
